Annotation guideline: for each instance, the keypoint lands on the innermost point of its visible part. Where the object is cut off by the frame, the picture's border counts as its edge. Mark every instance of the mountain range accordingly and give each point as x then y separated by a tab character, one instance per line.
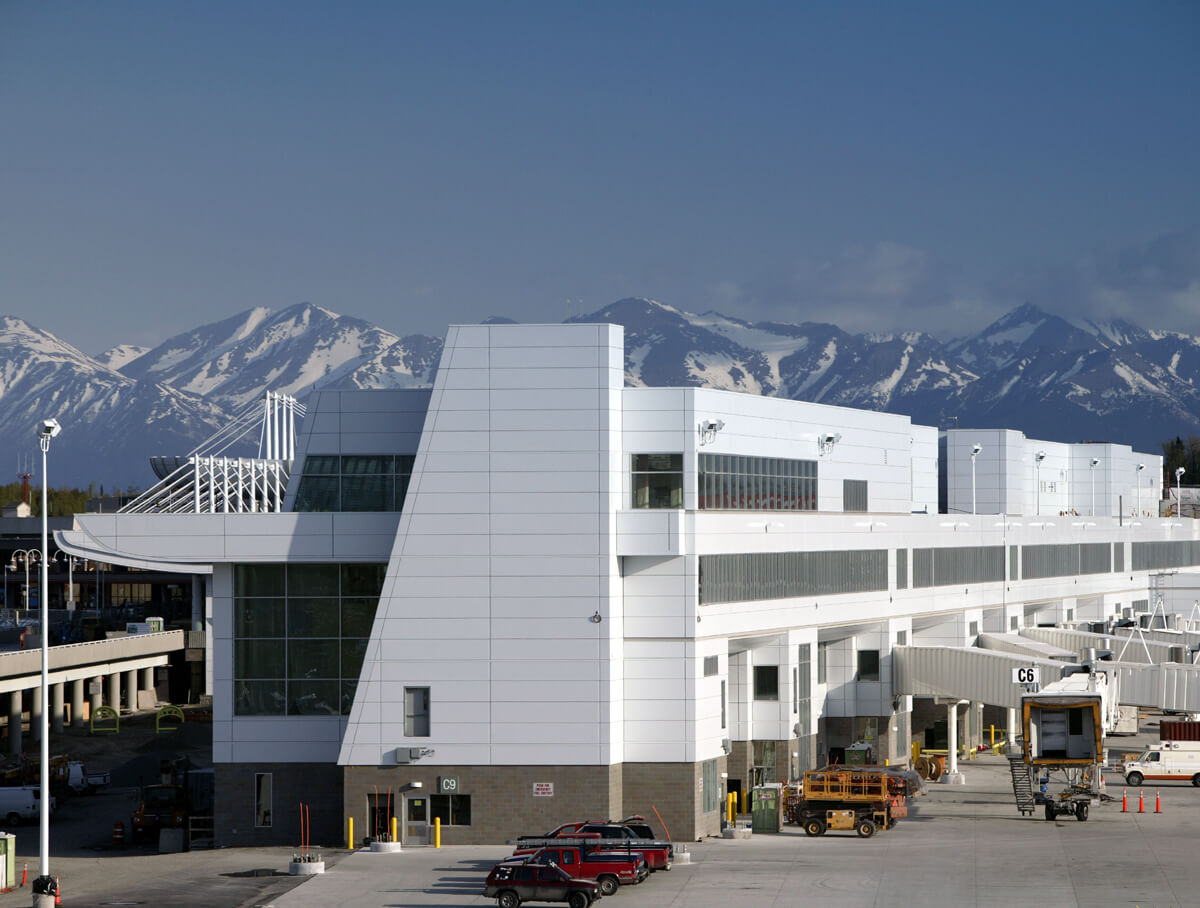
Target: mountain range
1051	378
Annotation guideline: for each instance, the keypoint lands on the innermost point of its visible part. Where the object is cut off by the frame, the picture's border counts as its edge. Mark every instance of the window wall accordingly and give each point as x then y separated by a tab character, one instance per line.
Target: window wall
300	635
732	482
354	482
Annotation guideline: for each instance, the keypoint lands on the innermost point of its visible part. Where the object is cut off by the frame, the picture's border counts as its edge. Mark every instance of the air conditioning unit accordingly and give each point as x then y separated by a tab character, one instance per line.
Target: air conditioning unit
726	746
407	754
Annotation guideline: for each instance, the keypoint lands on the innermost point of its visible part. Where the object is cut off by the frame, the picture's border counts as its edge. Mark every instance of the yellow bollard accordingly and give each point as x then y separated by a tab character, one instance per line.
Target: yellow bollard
349	833
437	832
993	727
730	800
743	802
395	830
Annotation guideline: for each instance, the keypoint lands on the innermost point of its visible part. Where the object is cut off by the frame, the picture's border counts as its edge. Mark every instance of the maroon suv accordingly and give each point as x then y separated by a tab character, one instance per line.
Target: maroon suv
512	884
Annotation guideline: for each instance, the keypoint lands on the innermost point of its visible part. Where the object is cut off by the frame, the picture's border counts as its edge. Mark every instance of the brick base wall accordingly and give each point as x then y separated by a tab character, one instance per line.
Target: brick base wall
317	785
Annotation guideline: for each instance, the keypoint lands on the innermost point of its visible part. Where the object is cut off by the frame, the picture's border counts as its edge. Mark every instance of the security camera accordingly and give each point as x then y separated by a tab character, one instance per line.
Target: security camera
1141	466
50	428
1179	471
1095	461
975	449
1039	456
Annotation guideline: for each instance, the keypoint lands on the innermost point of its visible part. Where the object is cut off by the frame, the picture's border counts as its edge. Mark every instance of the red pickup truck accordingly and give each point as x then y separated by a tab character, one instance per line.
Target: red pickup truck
609	869
613	837
512	884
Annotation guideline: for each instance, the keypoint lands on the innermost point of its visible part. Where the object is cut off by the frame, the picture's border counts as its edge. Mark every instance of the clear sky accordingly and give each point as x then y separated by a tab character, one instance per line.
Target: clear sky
877	165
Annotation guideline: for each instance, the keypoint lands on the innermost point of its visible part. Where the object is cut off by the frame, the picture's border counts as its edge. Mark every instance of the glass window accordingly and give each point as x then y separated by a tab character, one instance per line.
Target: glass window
363	579
262	799
868	665
260	698
367	493
353	652
766	682
416	712
710	666
258	658
258	617
657	480
312	579
372	464
357	617
722	704
313	659
258	580
354	482
317	493
312	617
314	698
822	651
452	810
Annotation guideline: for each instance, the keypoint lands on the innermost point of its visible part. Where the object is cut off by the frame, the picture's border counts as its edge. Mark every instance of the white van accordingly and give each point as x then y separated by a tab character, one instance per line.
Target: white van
22	802
1167	761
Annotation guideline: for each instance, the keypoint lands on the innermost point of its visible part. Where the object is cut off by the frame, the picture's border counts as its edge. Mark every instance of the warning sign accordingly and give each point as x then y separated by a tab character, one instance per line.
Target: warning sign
543	789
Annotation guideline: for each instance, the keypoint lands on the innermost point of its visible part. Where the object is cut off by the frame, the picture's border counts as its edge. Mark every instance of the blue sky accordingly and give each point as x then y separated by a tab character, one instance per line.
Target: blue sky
877	165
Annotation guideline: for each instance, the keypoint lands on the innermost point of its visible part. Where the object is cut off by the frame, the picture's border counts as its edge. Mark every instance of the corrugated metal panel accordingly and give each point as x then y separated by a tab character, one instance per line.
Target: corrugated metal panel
1078	641
1025	646
968	674
1168	686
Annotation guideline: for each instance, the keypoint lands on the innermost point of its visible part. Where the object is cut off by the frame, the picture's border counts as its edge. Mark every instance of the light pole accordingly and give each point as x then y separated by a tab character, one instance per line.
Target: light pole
1138	477
44	887
1037	462
975	449
1095	463
1179	471
26	555
8	569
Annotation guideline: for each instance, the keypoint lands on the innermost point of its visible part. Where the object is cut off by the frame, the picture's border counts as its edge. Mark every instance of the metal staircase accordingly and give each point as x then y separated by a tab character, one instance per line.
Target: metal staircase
1022	780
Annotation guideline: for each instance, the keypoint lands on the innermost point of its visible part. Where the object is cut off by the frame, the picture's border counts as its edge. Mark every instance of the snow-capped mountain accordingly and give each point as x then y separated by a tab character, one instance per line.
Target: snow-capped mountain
1029	370
293	351
111	424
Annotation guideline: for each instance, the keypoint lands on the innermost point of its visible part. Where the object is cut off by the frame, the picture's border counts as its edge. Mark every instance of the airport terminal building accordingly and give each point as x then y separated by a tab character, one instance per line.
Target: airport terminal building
532	594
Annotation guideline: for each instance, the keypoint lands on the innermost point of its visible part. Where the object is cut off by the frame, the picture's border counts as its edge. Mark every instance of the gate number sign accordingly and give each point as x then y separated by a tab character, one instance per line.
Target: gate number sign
1029	675
447	784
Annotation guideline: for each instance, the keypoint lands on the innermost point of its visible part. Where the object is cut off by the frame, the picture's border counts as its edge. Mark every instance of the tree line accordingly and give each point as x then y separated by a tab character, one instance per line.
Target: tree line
62	502
1179	453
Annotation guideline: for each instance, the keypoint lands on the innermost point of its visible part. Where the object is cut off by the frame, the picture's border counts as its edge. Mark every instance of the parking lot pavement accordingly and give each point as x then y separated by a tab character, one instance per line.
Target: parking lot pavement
963	846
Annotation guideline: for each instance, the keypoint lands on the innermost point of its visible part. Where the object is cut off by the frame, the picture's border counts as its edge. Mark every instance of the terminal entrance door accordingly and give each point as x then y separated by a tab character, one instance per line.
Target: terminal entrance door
416	820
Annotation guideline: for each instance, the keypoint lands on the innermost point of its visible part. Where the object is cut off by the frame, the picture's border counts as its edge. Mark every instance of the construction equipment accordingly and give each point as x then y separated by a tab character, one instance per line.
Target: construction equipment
864	799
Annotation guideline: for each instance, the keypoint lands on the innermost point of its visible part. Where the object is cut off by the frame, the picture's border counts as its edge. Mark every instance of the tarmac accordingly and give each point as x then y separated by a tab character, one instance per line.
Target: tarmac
962	845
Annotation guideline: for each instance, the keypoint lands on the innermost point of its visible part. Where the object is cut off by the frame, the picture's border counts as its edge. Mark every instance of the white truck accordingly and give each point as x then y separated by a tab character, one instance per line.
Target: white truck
22	802
1166	761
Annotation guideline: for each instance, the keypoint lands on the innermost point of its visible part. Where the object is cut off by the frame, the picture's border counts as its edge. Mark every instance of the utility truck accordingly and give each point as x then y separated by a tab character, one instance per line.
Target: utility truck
1166	761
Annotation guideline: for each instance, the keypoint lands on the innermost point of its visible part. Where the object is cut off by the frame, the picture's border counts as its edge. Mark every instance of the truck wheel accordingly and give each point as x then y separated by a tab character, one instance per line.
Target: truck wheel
13	819
608	884
1134	779
578	900
866	828
1051	813
1196	780
814	827
1081	811
508	899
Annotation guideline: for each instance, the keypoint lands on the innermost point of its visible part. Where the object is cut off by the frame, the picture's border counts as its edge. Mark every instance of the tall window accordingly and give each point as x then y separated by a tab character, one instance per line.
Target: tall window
722	704
854	495
354	482
262	799
766	682
416	712
300	634
822	661
868	665
658	480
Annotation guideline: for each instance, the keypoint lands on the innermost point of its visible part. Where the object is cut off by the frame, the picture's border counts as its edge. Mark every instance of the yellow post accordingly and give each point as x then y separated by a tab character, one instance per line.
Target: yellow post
993	728
730	799
395	829
437	832
916	749
743	802
349	833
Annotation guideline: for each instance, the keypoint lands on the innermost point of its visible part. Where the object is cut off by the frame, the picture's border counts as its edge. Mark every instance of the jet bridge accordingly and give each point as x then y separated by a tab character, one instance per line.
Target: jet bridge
985	676
1026	646
1129	647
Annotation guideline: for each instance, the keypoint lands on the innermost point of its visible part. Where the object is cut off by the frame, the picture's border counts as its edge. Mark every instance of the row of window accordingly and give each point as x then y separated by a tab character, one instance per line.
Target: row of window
782	575
354	482
1149	556
1068	560
733	482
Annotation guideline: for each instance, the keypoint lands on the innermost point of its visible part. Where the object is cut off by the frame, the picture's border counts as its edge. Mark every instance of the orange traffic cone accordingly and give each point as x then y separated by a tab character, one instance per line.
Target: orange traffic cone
1124	802
24	874
1141	803
1157	803
57	892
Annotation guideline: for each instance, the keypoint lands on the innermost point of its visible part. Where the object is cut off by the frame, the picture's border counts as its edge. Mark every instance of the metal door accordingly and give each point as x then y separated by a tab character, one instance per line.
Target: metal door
416	820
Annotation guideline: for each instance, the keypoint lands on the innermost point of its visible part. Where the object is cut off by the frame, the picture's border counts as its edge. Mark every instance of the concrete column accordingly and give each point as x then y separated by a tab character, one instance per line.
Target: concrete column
197	602
56	708
130	685
35	713
77	703
96	697
114	690
1014	729
952	738
15	718
146	682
